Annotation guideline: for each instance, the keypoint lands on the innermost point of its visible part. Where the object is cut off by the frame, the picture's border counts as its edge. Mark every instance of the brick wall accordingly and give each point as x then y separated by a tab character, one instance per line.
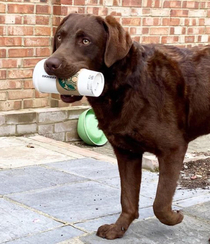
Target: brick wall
57	123
26	28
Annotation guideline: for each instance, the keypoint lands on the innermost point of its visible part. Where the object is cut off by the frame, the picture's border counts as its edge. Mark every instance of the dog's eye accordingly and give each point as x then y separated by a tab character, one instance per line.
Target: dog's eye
85	41
59	38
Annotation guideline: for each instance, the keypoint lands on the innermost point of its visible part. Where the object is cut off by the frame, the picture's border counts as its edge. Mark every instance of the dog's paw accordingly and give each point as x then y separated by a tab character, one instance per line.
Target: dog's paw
174	218
180	217
111	232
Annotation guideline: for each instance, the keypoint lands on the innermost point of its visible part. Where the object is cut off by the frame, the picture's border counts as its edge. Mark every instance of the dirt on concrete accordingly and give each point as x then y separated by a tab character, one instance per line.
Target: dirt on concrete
196	174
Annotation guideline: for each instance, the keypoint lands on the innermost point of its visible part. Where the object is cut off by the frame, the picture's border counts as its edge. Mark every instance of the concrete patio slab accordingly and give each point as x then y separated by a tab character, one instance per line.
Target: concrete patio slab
33	178
56	235
152	231
55	193
74	202
18	221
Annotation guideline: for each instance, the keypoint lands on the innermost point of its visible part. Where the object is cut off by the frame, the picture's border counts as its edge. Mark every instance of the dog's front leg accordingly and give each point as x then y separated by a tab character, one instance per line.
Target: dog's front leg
170	164
130	168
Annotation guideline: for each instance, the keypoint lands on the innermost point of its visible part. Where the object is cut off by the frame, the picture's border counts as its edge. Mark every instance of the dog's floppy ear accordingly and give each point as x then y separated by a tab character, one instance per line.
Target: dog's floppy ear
118	43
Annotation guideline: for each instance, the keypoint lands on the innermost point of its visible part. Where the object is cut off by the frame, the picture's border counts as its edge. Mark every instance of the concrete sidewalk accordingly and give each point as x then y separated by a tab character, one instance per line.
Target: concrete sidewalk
52	192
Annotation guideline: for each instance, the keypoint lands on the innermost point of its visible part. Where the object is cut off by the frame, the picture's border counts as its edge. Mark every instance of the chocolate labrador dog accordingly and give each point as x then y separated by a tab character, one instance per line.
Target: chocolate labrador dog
156	99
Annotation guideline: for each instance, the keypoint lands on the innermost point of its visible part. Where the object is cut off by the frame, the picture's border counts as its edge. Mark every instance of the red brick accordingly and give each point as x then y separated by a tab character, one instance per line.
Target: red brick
19	73
57	10
79	2
132	31
12	74
10	105
196	30
202	5
190	22
66	2
132	3
2	8
136	38
103	11
8	63
28	84
207	30
179	13
20	30
172	4
190	4
131	21
189	39
92	2
93	10
29	19
20	94
2	74
2	41
150	39
21	8
13	19
151	3
43	52
2	19
42	20
169	39
66	9
55	96
99	11
20	52
42	31
30	62
201	22
3	84
171	21
56	20
2	53
159	31
36	103
43	9
145	31
12	41
177	30
36	41
150	21
3	96
23	73
40	95
14	84
2	30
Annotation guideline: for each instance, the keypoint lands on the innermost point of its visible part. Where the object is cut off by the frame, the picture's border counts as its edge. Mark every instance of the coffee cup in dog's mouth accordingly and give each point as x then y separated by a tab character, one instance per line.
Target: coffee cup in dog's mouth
85	82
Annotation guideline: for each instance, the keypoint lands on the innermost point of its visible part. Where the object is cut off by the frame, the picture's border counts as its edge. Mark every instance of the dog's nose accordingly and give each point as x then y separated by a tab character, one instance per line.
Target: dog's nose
52	64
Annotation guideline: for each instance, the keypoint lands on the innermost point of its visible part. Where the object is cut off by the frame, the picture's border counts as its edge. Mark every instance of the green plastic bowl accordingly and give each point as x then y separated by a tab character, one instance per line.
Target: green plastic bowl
88	130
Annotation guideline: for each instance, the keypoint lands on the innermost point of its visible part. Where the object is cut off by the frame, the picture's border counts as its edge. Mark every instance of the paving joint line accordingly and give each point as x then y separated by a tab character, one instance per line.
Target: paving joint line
196	217
36	211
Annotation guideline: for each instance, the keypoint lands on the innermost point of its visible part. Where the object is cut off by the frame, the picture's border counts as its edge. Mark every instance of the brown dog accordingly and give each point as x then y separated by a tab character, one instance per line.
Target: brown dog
156	99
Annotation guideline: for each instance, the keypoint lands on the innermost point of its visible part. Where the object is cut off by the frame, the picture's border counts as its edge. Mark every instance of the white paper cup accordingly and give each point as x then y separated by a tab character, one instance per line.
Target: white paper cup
42	81
85	82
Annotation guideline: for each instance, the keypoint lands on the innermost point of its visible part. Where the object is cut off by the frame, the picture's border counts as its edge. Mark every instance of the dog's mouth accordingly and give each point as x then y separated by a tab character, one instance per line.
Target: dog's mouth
70	98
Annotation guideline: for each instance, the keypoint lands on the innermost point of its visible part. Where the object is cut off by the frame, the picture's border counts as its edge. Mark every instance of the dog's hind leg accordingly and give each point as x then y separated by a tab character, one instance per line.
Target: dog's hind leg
130	168
170	164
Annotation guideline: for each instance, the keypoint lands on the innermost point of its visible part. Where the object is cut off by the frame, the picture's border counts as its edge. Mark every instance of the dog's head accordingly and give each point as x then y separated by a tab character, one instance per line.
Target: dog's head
86	41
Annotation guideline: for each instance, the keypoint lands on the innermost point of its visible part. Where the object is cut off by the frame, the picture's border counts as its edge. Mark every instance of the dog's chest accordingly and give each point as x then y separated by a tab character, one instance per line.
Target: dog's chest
122	127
